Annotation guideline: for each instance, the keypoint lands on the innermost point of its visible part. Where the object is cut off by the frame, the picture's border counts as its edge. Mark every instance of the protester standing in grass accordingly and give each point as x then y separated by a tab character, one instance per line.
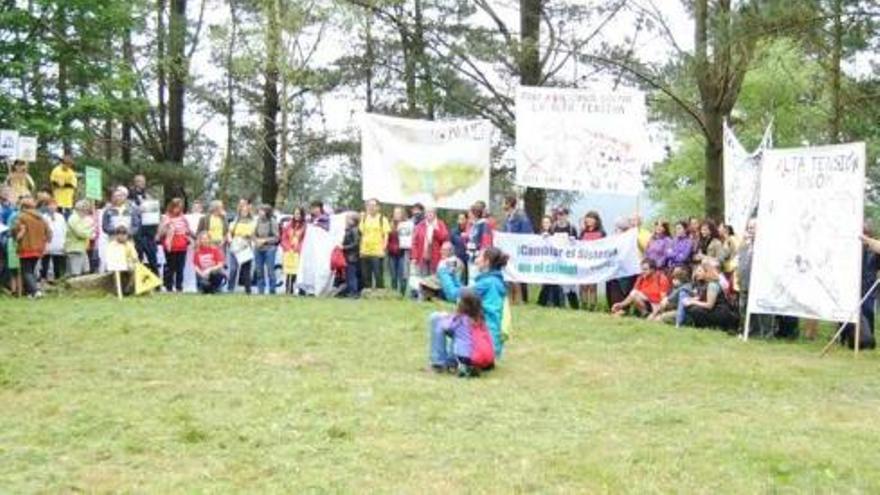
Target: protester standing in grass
517	222
241	248
399	248
351	249
215	223
660	245
592	230
174	234
32	234
80	229
682	247
374	237
292	234
428	240
55	248
709	245
266	237
64	182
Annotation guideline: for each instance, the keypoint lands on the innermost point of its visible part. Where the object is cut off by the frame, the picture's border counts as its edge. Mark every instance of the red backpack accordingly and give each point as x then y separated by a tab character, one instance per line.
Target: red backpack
483	352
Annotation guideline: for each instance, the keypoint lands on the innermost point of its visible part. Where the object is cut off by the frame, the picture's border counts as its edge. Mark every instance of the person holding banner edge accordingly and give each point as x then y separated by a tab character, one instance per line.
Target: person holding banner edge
517	222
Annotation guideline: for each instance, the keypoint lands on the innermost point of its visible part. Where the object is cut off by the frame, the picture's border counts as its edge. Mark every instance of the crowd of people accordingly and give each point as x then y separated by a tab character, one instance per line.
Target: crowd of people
694	272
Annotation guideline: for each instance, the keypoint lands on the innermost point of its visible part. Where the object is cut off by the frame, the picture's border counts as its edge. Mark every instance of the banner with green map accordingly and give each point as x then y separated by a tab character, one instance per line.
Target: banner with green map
442	164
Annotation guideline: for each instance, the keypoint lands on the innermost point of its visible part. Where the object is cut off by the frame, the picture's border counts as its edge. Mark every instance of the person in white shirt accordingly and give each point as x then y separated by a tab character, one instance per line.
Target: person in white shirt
55	248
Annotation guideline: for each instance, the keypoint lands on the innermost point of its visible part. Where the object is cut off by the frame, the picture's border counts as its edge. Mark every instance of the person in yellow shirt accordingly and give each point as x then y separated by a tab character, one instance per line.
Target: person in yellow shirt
63	179
374	238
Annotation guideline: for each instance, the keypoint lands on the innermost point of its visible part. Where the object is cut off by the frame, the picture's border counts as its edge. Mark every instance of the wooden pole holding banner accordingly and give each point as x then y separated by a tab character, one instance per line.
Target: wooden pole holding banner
748	326
118	276
858	312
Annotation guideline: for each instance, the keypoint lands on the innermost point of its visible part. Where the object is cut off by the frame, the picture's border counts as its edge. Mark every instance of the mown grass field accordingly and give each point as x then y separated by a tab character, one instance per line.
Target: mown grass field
230	394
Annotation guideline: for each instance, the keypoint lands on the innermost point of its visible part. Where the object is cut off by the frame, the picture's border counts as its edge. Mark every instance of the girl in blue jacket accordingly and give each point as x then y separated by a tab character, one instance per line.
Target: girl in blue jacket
489	285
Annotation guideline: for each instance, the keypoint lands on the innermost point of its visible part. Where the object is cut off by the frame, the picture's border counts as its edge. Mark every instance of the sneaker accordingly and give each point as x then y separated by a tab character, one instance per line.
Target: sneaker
37	295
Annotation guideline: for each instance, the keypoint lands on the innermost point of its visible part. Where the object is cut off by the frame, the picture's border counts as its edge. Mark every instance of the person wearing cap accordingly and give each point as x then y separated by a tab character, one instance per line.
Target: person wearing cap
120	213
64	182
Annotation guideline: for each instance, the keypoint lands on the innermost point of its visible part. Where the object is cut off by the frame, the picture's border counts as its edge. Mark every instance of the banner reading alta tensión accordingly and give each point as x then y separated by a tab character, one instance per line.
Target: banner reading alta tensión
444	164
807	249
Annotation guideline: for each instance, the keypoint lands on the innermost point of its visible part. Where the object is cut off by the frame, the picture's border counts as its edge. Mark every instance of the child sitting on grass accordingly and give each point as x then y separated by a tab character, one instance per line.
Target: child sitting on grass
681	287
122	257
461	342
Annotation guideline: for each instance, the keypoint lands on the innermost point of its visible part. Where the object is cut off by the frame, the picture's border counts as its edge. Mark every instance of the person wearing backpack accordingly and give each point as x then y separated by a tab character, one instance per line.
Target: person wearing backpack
461	342
374	230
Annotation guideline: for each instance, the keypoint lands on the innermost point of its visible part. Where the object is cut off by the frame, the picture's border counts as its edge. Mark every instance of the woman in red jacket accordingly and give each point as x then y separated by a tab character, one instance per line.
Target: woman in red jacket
428	239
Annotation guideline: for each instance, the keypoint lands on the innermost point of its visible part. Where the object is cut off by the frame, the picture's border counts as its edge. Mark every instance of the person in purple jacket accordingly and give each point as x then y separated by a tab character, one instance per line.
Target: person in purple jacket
682	247
659	245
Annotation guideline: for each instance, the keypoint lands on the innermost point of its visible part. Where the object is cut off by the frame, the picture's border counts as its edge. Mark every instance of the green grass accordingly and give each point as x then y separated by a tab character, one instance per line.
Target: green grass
227	394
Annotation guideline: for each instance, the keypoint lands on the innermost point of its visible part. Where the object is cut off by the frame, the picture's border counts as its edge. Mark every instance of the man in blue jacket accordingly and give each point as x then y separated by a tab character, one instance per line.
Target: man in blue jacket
517	222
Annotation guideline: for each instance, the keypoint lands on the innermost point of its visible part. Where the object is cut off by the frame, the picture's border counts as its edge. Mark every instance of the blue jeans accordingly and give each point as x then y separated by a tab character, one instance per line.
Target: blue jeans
681	310
440	350
352	280
264	261
397	266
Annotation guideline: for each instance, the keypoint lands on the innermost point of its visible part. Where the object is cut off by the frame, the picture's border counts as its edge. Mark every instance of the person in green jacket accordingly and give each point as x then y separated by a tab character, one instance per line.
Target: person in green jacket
80	229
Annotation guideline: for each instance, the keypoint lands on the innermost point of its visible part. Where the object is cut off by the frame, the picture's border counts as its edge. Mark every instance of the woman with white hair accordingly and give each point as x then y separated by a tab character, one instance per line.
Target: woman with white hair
80	229
120	213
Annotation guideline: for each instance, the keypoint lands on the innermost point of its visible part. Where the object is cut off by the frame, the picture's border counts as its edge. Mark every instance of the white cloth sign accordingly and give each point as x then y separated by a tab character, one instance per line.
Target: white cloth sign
27	149
8	144
444	164
593	140
315	277
807	250
742	178
559	260
405	232
150	212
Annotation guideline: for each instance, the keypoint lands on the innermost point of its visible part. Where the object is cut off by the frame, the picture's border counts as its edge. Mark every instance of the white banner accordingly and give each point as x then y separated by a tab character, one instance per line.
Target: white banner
537	259
742	178
807	250
581	140
8	144
27	148
443	164
315	277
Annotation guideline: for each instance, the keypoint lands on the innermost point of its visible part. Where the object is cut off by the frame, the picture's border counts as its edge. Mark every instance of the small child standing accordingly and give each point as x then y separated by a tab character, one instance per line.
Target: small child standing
351	249
461	342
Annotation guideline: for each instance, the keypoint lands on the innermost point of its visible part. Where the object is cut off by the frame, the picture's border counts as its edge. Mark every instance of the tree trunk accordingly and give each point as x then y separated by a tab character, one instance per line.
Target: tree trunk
714	156
108	139
125	145
281	197
63	80
369	61
179	70
270	103
836	58
409	70
424	61
530	75
230	106
161	80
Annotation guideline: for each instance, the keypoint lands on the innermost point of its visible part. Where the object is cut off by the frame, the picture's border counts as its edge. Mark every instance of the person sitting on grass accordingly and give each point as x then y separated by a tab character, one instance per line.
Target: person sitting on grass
650	288
488	285
208	263
121	249
710	308
461	342
681	287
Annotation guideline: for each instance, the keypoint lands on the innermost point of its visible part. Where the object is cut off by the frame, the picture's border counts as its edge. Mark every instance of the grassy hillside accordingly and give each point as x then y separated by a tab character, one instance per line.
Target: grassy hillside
189	394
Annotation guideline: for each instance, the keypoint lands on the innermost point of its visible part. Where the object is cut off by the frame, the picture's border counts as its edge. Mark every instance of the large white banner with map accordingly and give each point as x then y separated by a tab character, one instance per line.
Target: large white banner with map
589	140
742	178
807	249
444	164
